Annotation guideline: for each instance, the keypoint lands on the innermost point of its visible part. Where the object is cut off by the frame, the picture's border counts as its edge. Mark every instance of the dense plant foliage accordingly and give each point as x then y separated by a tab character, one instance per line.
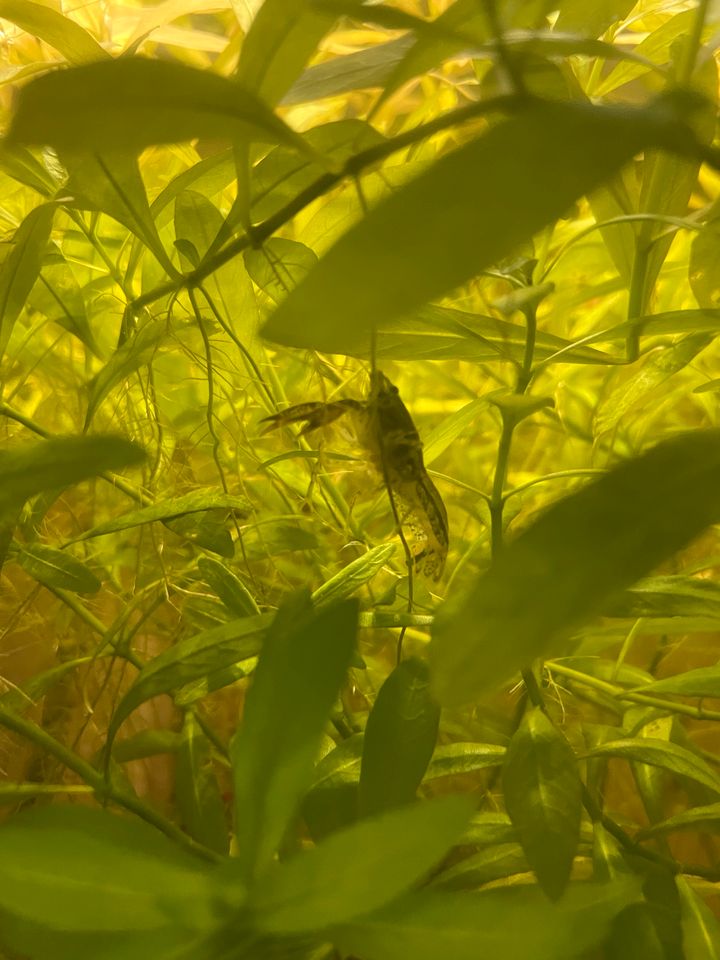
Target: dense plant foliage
359	472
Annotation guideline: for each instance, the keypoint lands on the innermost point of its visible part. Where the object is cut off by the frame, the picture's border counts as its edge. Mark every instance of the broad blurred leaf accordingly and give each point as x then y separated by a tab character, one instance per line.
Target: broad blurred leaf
31	468
132	103
359	869
662	753
543	796
62	33
195	502
671	596
190	659
73	868
583	549
513	923
21	267
400	737
55	568
304	660
425	239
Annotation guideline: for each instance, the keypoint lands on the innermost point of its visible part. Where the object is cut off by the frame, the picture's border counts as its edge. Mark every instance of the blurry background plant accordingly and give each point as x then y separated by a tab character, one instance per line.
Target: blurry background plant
159	211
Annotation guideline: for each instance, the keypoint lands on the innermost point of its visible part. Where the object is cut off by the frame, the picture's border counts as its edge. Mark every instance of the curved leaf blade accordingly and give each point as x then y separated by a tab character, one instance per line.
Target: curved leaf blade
425	239
132	103
58	569
661	753
543	795
400	737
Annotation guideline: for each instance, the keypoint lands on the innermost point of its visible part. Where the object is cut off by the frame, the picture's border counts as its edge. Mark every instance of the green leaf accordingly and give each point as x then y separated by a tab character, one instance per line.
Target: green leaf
424	240
497	862
591	17
228	587
25	695
55	568
657	369
22	166
74	869
282	38
702	819
190	659
131	103
136	352
451	759
147	743
62	33
355	71
359	869
701	268
701	928
562	570
513	923
661	753
672	596
355	575
279	266
449	429
196	502
197	794
703	682
543	795
400	737
20	269
52	464
304	660
111	183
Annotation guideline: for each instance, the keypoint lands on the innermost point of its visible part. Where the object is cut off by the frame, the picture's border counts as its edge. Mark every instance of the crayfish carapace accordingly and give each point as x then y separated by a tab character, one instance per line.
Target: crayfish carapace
388	434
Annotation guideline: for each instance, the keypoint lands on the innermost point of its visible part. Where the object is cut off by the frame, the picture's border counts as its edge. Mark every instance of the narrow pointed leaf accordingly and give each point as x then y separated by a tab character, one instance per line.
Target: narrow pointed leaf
56	568
701	928
197	793
662	753
20	269
583	550
703	682
303	664
355	575
196	502
543	796
400	737
702	819
361	868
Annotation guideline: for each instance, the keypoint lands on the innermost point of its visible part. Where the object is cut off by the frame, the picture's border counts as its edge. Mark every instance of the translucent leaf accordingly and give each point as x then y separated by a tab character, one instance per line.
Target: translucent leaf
62	33
388	854
400	737
197	793
131	103
562	570
661	753
424	239
304	660
355	575
190	659
591	17
513	923
58	569
701	928
21	267
52	464
283	36
543	796
279	266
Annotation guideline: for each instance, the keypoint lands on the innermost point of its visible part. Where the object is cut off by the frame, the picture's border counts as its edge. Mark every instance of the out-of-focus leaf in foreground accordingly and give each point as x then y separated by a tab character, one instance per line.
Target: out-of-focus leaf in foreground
560	571
467	211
